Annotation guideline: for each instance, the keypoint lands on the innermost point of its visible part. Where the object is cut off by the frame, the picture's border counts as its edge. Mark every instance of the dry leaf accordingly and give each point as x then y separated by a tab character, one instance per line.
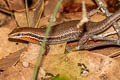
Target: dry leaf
93	66
6	46
10	60
21	18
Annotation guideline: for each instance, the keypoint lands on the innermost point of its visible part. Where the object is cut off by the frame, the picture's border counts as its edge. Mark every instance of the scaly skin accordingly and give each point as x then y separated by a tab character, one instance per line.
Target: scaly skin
66	31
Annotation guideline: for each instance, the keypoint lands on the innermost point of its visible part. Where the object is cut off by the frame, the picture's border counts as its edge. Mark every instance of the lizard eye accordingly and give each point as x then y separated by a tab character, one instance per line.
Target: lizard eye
18	34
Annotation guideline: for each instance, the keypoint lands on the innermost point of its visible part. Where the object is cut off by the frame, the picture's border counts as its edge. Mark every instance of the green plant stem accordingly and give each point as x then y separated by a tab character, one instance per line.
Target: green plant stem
44	39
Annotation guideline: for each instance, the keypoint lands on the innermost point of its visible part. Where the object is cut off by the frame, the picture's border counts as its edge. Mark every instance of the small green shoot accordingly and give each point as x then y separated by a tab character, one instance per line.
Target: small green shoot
45	38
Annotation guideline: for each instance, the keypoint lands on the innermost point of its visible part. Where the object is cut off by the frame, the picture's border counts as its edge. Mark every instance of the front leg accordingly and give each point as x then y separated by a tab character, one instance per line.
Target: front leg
47	49
83	40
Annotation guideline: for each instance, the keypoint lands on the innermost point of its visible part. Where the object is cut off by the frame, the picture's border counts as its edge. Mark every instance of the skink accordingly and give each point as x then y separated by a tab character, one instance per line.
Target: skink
66	31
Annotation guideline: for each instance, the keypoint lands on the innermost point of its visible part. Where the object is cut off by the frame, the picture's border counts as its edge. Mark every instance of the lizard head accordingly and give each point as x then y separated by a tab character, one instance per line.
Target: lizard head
24	34
18	32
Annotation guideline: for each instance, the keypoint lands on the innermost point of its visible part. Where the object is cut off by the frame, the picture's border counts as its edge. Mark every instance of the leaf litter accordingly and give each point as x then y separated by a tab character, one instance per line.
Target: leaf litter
78	65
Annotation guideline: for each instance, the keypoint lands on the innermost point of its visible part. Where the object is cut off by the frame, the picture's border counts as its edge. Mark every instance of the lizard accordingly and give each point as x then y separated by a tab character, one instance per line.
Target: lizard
65	32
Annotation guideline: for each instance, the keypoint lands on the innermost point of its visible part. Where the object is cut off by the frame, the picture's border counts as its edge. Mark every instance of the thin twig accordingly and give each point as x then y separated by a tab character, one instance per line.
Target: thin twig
107	34
27	13
116	54
6	11
84	15
95	38
10	12
38	13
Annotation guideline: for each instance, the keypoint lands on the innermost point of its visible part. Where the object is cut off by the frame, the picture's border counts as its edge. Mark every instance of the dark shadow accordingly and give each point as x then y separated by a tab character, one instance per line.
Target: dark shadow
102	47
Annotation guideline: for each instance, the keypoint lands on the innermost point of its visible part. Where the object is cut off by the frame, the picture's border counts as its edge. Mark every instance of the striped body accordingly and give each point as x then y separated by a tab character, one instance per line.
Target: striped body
59	33
66	31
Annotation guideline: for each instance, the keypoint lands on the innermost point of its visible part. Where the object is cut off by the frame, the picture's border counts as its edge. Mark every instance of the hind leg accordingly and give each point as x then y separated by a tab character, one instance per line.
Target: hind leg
82	42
